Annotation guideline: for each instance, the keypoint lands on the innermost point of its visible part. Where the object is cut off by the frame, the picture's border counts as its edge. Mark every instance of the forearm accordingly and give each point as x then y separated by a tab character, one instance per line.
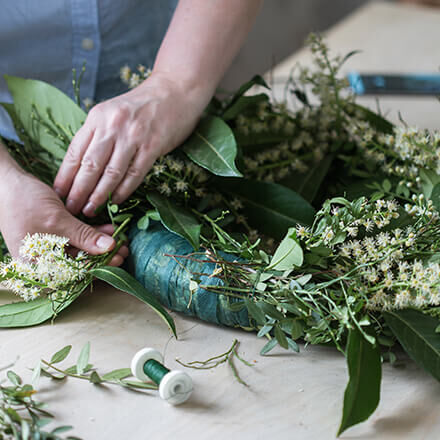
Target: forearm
203	38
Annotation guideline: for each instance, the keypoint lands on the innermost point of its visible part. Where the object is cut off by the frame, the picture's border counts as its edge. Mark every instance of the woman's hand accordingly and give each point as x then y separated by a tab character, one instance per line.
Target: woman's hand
122	138
30	206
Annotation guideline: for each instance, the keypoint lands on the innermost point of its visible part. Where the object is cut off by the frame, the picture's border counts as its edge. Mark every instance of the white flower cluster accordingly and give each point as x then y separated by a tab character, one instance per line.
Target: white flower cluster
44	267
133	79
171	175
403	153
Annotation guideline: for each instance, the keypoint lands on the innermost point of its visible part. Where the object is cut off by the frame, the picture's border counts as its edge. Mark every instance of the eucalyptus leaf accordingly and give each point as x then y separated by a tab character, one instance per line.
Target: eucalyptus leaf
281	337
269	346
416	332
212	146
255	311
60	355
83	359
120	373
269	207
119	278
362	393
176	219
29	95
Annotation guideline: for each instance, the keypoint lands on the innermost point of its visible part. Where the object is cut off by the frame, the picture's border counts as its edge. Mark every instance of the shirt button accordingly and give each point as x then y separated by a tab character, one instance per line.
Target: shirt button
87	44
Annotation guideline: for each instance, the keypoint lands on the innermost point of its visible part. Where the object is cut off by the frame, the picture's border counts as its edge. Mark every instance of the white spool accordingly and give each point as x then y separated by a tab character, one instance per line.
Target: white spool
175	387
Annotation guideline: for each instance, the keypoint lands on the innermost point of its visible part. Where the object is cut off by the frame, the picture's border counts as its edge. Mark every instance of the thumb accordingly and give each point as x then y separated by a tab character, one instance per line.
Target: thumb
85	237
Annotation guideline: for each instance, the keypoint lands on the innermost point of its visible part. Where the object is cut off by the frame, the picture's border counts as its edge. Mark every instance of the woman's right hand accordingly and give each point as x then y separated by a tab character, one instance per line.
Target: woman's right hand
30	206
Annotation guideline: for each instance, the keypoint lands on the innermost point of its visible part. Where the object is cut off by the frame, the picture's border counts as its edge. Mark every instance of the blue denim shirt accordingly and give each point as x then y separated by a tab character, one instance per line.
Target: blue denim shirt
46	39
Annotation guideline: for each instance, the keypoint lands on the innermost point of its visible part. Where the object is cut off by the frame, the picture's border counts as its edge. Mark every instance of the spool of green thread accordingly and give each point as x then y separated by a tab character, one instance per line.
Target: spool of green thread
174	386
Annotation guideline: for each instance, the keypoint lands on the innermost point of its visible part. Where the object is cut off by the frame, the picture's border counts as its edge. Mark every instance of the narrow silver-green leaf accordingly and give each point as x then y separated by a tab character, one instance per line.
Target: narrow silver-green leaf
120	373
362	393
268	347
119	278
83	359
212	146
177	219
417	334
60	355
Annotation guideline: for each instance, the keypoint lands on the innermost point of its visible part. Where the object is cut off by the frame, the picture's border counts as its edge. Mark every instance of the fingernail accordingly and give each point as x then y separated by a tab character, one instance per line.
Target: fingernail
71	205
89	209
104	242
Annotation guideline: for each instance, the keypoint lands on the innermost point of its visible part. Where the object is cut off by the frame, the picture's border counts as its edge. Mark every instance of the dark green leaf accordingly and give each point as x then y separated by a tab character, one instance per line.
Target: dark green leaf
60	355
269	207
212	146
308	184
292	345
28	93
416	332
119	278
61	429
363	389
377	121
257	80
255	311
435	196
83	359
281	337
176	219
242	104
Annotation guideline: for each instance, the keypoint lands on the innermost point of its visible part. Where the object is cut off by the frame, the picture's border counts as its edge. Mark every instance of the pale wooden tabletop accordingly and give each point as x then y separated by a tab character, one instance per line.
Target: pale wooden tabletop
290	396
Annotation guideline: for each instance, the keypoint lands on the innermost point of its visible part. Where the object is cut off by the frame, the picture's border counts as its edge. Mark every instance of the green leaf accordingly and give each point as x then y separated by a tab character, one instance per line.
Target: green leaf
83	359
288	254
268	347
255	311
269	207
212	146
119	278
377	121
95	378
242	104
14	378
281	337
60	355
308	184
416	332
143	223
120	373
176	219
362	393
26	94
135	384
26	314
435	196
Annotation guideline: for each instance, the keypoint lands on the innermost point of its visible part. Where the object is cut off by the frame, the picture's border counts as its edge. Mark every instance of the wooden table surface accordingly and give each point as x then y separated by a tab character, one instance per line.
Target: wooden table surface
290	396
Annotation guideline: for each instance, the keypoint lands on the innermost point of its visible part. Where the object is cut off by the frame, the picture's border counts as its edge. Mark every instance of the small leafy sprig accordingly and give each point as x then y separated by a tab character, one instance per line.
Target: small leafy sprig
83	370
24	418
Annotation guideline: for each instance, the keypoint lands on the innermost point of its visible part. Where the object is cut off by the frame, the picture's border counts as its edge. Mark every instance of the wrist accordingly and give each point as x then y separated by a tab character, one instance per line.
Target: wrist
196	94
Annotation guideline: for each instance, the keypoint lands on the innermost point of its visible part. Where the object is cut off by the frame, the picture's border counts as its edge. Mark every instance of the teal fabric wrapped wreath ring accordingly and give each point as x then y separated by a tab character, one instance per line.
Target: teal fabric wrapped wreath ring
169	282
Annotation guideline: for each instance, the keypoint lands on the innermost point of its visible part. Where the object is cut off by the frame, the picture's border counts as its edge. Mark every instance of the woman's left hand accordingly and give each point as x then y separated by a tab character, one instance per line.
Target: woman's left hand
121	139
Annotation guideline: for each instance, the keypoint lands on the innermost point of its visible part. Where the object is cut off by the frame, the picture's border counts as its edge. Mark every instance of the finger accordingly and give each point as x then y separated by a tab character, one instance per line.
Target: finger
117	260
72	160
124	251
83	236
134	176
92	164
112	175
